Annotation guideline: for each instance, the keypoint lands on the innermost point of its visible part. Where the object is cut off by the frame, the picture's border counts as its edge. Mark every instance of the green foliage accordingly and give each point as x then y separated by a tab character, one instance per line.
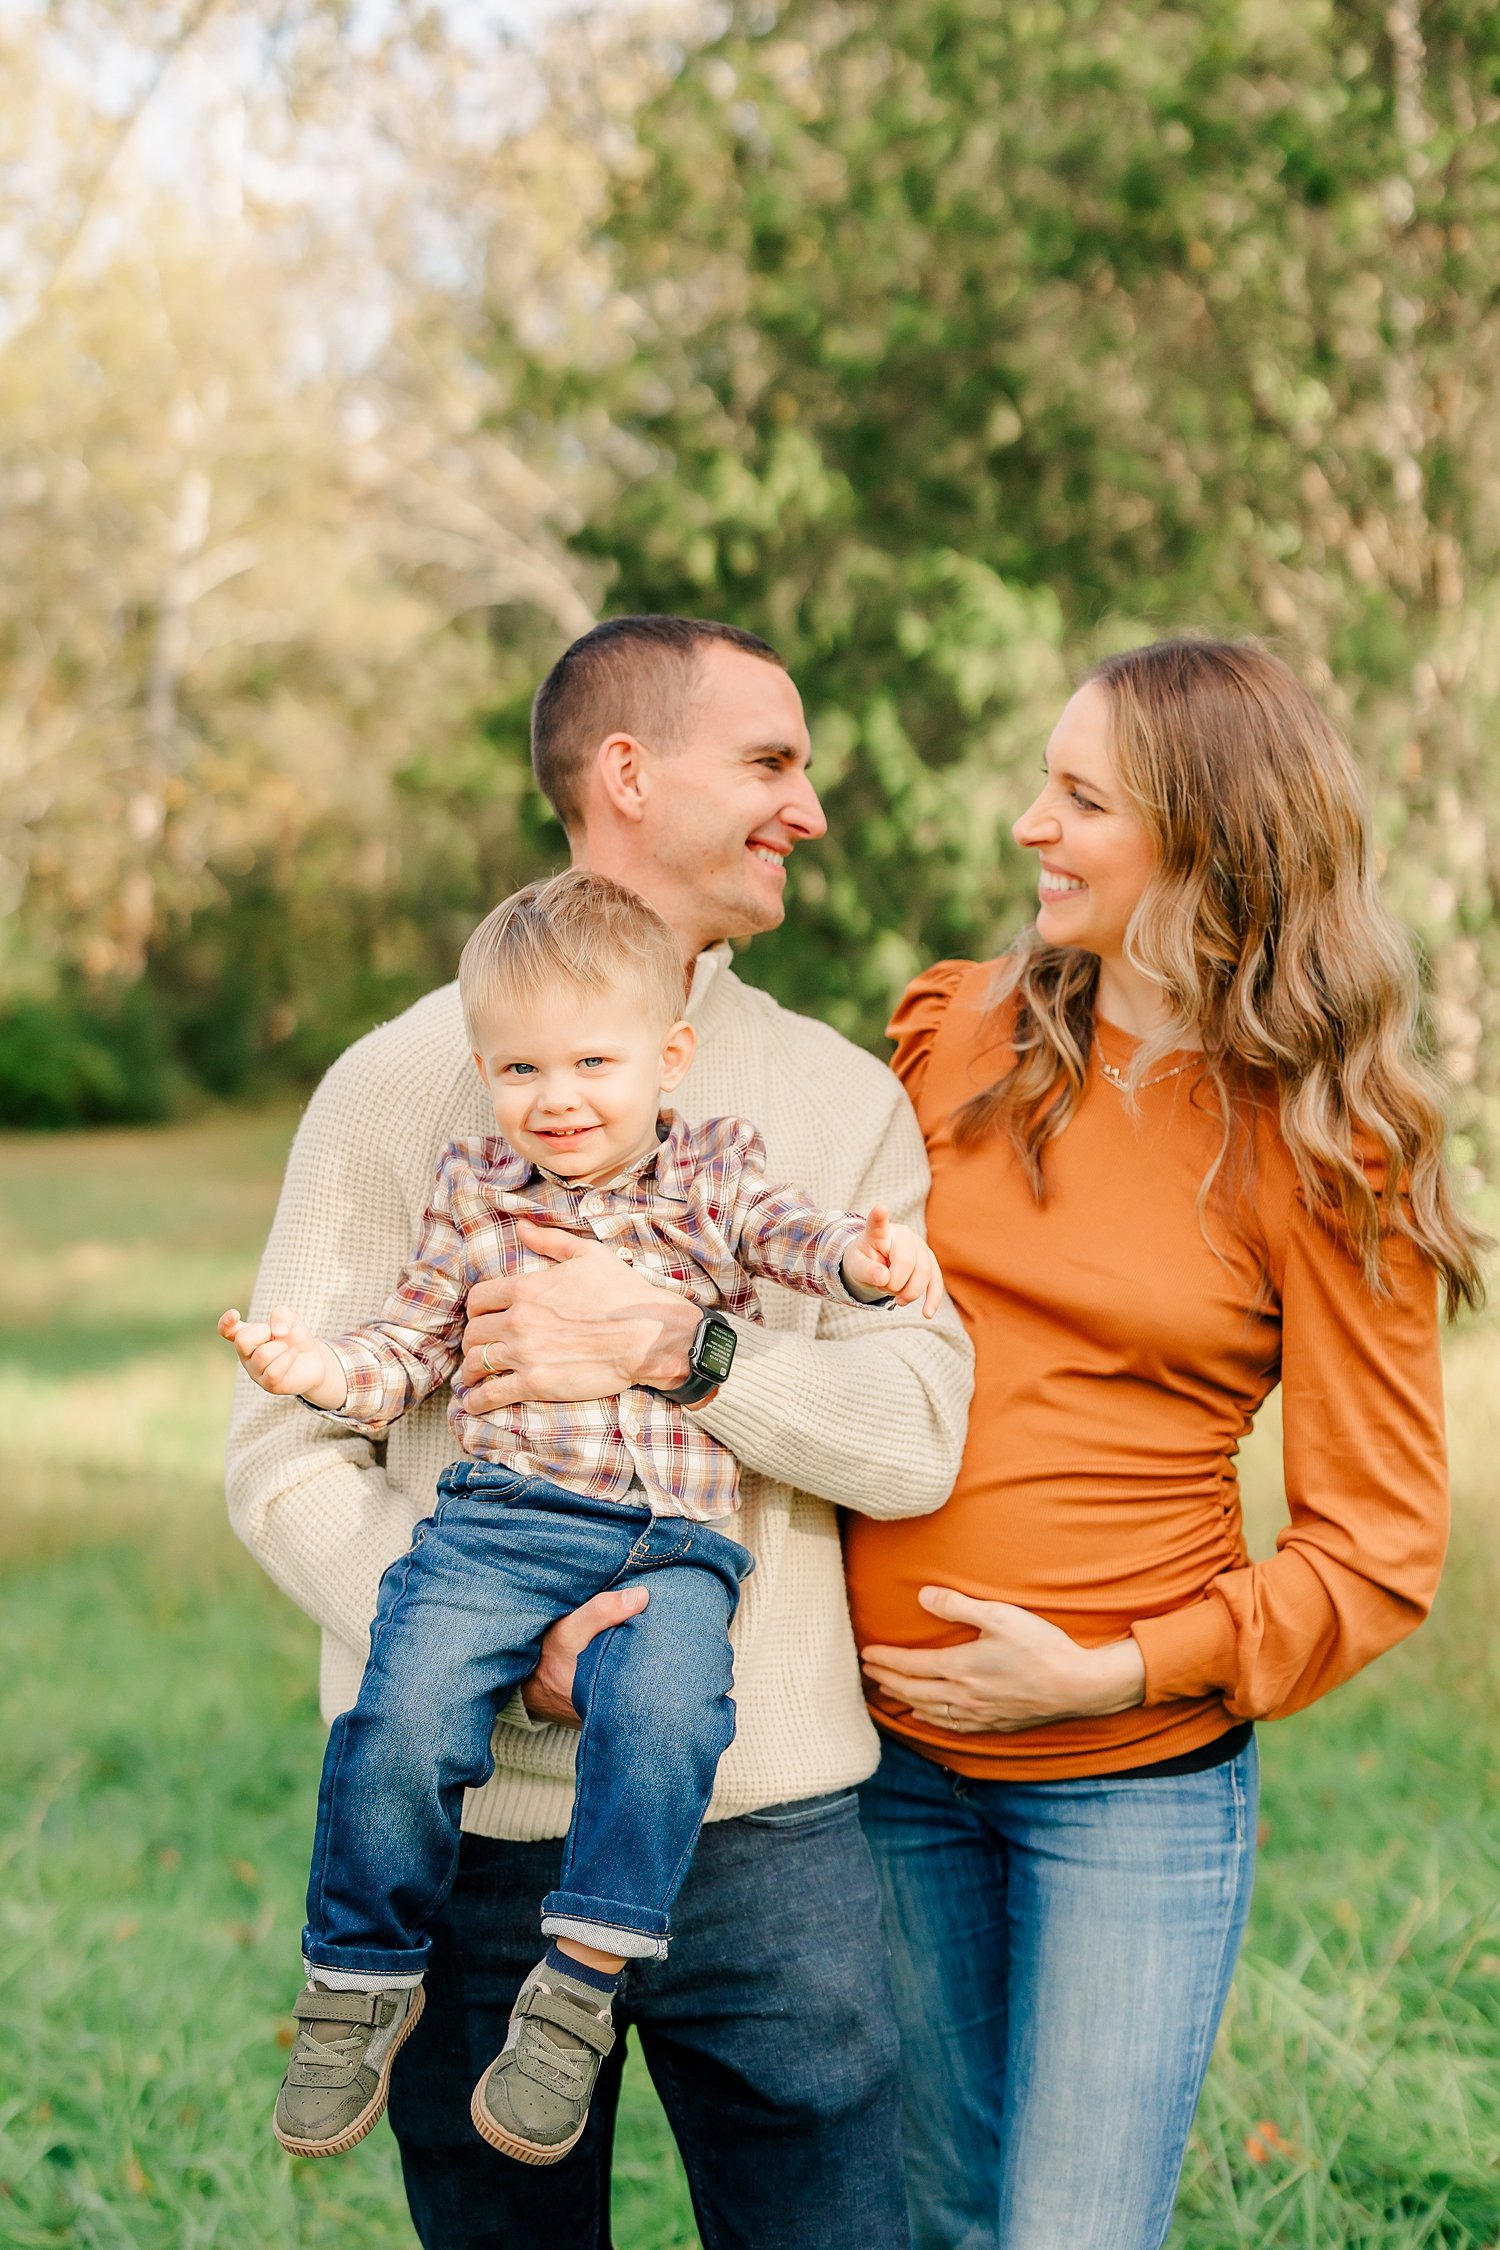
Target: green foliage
947	344
67	1063
965	341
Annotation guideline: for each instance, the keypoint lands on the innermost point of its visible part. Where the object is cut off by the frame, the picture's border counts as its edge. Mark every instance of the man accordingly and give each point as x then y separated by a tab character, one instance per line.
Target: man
675	753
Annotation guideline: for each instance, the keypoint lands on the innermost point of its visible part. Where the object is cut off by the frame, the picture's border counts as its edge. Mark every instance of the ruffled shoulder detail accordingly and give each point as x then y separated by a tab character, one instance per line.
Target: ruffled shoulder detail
919	1014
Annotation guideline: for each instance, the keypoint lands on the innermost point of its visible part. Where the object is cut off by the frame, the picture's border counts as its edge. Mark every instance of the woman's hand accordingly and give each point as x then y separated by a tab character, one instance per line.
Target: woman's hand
1018	1672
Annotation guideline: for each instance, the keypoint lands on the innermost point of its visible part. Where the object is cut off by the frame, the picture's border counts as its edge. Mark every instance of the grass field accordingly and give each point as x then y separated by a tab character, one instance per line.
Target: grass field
159	1746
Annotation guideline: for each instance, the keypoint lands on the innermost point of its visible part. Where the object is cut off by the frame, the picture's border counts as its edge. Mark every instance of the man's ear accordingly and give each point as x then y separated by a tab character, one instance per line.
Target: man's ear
623	766
677	1052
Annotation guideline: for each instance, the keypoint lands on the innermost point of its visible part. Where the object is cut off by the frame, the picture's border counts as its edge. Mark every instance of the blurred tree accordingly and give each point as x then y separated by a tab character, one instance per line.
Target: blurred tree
268	563
346	359
959	341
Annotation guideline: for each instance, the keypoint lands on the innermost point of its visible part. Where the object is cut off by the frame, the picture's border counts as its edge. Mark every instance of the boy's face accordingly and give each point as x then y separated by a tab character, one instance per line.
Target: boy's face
577	1078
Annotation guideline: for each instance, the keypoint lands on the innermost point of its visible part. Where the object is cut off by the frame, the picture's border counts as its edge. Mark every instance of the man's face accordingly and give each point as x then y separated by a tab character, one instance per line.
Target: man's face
728	804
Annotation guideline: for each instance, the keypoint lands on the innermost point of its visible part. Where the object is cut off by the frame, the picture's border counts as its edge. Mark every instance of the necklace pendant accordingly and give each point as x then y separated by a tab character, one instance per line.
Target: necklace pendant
1119	1080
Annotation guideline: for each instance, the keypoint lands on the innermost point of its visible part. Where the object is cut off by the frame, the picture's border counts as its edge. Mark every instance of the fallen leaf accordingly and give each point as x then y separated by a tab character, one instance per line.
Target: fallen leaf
245	1871
1264	2140
135	2176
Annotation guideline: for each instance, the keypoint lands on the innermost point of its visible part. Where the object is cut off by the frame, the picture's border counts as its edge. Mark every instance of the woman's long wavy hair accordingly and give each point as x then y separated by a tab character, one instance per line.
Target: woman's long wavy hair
1263	928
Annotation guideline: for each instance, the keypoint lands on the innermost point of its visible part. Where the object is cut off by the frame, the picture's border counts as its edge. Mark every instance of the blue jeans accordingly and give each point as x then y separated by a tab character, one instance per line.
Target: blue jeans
1061	1955
768	2032
459	1625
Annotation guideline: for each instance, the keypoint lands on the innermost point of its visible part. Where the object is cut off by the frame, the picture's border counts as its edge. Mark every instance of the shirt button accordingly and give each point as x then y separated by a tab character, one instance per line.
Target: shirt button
627	1255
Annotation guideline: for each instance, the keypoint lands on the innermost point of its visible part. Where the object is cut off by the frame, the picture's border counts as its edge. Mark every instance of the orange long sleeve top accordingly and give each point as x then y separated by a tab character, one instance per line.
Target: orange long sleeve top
1121	1356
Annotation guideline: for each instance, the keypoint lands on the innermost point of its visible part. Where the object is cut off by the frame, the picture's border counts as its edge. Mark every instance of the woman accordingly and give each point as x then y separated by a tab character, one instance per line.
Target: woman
1183	1148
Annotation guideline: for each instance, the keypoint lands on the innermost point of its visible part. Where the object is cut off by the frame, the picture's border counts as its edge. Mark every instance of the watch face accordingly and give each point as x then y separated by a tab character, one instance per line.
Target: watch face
715	1355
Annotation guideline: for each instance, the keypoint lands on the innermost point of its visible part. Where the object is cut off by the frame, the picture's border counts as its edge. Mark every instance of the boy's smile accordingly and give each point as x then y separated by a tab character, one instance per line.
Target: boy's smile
577	1078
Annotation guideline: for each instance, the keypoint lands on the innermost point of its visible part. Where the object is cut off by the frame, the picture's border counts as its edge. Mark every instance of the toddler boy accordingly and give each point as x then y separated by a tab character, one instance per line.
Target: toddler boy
572	993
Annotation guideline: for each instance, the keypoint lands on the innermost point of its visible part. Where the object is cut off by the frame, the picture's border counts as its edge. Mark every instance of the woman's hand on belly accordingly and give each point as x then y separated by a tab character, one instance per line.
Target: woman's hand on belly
1018	1672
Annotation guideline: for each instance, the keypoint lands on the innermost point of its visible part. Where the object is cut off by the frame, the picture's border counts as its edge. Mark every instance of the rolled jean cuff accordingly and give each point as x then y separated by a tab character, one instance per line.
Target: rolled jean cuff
354	1980
363	1968
588	1920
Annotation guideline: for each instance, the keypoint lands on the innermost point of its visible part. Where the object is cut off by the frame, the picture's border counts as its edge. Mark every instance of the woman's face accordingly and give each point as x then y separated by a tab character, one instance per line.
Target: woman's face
1096	853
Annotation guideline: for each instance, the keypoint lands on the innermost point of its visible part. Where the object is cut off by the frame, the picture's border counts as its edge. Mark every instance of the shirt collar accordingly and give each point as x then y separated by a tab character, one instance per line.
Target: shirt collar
706	970
672	1158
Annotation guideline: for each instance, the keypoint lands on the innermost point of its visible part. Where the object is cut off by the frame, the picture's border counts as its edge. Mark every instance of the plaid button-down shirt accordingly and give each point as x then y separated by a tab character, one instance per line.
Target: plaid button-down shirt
695	1213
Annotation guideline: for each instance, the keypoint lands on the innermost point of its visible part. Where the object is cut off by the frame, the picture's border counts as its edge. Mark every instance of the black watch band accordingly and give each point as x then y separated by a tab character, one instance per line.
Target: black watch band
710	1357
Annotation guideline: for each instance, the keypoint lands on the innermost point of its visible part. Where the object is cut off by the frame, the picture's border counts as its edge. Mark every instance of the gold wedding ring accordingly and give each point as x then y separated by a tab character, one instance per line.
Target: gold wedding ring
484	1359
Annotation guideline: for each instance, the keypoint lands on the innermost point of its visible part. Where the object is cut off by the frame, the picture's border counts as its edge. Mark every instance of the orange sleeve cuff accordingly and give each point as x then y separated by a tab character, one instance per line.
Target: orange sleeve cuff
1189	1652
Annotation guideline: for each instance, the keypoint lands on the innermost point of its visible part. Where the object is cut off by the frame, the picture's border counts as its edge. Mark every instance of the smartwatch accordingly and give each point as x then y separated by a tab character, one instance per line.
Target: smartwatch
709	1360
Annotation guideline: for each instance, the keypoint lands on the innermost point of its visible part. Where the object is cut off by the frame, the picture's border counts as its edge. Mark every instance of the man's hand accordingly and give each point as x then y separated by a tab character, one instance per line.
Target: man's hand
548	1694
584	1326
892	1261
283	1355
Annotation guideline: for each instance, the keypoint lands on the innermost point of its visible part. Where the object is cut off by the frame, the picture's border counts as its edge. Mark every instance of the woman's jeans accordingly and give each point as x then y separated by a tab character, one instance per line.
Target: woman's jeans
1062	1952
459	1626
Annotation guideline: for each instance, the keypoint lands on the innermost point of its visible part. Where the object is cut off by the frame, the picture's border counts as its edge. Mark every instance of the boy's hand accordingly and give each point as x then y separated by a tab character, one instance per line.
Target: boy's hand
887	1261
284	1356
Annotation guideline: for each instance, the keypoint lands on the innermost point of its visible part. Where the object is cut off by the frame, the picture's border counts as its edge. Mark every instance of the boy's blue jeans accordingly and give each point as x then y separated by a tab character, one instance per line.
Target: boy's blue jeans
458	1627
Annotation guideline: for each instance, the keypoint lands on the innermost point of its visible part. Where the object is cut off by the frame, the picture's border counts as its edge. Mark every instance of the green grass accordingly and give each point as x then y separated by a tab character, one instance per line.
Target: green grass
160	1740
159	1746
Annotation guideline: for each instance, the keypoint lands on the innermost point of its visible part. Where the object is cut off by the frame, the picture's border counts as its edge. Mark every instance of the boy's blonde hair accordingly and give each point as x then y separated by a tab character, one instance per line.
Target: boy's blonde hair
575	929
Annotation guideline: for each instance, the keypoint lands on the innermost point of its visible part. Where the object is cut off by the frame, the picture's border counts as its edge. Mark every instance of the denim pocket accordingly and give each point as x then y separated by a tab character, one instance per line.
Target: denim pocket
806	1813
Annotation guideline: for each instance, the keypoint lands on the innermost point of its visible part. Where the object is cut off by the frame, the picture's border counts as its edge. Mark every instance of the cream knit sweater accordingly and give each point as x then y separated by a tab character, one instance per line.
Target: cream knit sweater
826	1403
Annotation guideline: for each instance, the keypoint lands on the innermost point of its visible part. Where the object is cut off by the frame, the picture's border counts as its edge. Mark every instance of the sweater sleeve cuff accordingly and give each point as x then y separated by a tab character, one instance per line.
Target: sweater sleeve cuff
515	1714
1189	1652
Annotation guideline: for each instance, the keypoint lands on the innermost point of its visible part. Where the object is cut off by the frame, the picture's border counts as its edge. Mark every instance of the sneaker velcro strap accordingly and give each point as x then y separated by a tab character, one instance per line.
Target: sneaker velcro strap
546	2007
339	2007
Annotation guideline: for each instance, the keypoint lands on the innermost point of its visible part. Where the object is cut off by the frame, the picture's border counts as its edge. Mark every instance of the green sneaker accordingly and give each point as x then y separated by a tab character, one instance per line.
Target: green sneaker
340	2072
533	2101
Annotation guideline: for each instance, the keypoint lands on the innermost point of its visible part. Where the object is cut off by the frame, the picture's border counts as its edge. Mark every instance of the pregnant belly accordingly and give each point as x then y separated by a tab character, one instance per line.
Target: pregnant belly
1091	1555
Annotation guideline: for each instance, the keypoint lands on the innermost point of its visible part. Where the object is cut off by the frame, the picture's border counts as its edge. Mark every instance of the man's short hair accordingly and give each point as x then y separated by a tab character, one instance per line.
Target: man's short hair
579	930
630	675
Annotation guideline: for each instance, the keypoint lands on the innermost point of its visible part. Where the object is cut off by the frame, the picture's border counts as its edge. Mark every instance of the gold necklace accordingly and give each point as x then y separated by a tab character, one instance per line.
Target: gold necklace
1120	1079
